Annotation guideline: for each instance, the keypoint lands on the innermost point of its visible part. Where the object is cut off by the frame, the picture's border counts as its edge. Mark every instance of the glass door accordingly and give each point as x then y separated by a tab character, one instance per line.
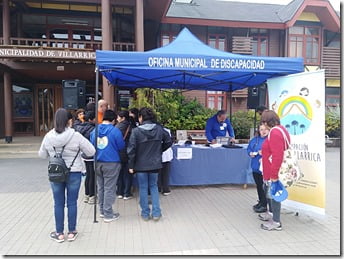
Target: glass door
46	109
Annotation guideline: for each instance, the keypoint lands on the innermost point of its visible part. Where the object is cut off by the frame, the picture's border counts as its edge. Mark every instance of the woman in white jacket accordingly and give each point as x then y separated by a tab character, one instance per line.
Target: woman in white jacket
63	135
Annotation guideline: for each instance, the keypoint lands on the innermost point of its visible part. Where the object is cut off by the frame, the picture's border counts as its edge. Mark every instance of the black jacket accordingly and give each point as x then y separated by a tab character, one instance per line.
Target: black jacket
123	126
85	128
146	144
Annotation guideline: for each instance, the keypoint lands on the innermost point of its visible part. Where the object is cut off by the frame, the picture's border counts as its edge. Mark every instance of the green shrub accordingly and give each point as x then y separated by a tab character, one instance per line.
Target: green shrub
242	121
332	122
173	110
177	112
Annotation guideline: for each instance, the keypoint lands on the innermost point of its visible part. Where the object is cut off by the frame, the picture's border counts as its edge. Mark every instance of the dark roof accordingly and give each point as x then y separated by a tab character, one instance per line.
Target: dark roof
234	11
287	12
225	10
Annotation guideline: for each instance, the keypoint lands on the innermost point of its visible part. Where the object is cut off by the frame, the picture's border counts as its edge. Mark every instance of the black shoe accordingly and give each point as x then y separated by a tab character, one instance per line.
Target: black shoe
260	209
256	206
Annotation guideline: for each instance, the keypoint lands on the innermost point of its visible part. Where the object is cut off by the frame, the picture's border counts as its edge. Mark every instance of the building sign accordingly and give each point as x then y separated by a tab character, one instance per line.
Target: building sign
48	54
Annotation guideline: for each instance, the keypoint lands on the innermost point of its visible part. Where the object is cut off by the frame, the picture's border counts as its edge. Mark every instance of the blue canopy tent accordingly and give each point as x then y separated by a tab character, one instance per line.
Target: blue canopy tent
187	63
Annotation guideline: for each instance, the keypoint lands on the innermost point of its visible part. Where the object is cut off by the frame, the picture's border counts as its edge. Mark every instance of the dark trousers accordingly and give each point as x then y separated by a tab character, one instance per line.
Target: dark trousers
258	179
125	181
89	181
164	177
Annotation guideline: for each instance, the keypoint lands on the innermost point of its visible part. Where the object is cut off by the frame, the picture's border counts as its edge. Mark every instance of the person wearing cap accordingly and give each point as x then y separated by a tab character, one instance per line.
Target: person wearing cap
218	126
272	158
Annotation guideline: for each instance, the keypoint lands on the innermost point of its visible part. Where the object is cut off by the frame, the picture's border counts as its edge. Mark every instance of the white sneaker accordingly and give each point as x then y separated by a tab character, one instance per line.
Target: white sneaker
92	200
86	198
127	197
115	217
101	215
266	216
271	225
119	197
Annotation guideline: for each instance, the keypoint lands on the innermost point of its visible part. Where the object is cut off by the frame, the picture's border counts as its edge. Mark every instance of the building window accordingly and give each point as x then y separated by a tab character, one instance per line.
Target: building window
217	41
332	39
304	41
168	33
332	96
167	38
260	42
216	100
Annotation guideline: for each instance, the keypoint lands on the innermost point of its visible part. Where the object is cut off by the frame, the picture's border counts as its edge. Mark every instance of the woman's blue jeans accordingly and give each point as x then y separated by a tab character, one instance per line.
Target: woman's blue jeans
60	190
148	180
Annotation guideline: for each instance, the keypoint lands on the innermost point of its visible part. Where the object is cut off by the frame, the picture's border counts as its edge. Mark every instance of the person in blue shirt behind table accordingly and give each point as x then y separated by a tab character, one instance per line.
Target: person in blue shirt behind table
217	126
254	150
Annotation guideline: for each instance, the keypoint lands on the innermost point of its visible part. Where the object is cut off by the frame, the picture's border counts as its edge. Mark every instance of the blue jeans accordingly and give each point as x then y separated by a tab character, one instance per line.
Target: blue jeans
148	180
59	193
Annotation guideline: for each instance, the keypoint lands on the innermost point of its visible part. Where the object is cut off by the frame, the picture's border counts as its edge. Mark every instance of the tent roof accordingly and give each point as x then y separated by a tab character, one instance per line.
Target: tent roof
187	63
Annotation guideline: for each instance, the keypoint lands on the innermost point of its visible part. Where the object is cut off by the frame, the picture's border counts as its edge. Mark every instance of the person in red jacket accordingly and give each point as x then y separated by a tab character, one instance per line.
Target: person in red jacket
272	157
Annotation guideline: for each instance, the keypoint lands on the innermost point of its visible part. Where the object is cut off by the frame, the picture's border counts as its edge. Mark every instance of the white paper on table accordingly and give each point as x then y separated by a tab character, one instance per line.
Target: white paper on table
215	145
184	153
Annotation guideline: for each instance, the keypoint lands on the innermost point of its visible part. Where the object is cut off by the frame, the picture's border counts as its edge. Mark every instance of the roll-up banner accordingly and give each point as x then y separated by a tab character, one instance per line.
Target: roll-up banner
299	101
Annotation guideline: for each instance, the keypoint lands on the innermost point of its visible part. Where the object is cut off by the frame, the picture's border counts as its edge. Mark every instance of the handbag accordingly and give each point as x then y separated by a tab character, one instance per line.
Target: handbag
289	172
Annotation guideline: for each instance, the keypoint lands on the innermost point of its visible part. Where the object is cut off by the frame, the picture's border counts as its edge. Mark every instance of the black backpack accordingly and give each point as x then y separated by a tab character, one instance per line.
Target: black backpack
58	171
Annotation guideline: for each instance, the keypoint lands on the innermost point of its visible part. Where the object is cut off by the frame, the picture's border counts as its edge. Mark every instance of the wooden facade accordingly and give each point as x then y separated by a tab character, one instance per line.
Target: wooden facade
33	62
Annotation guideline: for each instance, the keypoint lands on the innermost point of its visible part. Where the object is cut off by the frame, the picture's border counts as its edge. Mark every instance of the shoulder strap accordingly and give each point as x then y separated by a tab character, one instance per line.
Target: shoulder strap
284	136
74	159
126	132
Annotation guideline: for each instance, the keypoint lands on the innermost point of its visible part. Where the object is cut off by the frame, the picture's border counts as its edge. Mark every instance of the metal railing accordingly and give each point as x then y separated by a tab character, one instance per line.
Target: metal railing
67	44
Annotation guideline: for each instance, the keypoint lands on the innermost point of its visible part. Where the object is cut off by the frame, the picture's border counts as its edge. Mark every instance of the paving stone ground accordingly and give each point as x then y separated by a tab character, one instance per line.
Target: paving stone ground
197	220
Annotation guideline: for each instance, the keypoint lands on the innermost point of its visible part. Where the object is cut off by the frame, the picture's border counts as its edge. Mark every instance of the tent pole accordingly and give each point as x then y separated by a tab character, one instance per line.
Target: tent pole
230	101
95	146
255	121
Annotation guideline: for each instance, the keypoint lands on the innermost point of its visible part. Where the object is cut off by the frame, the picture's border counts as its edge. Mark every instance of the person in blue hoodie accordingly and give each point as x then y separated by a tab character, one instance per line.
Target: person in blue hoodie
254	150
218	126
109	144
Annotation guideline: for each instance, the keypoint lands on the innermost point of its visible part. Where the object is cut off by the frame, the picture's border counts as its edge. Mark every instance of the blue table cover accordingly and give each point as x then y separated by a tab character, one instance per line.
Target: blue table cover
211	166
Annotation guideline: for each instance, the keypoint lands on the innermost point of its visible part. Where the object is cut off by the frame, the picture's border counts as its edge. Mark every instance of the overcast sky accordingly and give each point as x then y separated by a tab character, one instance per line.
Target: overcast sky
335	3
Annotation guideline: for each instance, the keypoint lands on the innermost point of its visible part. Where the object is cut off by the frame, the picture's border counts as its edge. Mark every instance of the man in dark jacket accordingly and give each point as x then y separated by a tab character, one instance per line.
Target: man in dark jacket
146	144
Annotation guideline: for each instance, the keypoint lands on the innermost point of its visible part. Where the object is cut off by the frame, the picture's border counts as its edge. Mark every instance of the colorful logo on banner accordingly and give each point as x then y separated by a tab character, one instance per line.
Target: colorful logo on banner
296	114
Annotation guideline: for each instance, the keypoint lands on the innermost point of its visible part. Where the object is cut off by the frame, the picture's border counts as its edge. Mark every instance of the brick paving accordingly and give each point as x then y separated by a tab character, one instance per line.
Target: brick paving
197	220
